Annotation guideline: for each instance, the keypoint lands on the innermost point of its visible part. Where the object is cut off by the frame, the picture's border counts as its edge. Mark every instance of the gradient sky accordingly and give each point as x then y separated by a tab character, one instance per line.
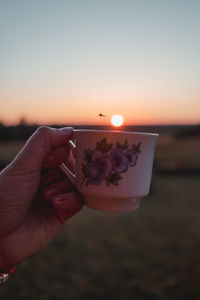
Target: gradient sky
66	61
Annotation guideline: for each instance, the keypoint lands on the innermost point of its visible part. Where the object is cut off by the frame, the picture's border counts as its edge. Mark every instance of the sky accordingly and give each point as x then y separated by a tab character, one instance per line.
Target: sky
66	61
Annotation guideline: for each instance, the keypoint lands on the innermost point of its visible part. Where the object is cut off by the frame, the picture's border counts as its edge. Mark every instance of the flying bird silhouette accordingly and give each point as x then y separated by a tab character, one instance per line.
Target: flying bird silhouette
101	115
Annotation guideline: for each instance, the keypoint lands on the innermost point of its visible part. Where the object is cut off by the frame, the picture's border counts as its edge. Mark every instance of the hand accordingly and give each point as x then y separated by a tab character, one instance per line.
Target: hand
36	198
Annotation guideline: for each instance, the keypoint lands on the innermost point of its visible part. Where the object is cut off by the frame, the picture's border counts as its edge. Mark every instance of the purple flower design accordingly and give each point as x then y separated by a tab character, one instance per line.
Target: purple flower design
98	169
120	161
105	163
132	157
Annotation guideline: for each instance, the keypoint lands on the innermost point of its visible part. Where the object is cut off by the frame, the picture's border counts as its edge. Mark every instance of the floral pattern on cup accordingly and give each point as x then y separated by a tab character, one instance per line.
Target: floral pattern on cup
107	162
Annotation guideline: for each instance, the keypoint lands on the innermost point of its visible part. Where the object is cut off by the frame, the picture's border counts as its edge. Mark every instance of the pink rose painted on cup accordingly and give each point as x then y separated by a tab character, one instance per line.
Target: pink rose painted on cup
106	163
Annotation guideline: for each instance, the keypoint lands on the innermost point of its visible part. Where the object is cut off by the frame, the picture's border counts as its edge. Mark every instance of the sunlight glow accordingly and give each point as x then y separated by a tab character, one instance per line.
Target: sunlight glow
117	120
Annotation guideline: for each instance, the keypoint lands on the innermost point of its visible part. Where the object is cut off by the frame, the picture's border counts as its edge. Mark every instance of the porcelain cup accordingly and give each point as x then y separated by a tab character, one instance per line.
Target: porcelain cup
113	169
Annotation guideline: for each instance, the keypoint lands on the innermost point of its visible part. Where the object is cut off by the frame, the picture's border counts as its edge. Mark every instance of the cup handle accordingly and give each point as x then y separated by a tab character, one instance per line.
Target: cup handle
70	175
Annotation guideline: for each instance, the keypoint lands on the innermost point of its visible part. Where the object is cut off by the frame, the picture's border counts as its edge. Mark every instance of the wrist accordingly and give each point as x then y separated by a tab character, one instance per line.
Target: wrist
4	274
8	270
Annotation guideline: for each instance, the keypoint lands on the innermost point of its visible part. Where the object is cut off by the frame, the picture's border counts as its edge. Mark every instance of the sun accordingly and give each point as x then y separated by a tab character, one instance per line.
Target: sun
117	120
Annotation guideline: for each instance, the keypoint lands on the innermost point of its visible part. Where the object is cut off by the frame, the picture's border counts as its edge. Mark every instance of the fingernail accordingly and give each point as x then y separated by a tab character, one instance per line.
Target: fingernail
58	200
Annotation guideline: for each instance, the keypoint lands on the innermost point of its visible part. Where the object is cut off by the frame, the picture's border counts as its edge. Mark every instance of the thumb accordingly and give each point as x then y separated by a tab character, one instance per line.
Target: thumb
39	145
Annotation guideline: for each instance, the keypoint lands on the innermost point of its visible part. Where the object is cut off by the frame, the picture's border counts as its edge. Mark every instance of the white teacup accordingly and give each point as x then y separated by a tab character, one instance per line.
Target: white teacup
113	168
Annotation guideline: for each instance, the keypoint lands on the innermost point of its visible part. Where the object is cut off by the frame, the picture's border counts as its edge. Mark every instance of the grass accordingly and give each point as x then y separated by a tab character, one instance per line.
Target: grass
183	152
8	150
152	253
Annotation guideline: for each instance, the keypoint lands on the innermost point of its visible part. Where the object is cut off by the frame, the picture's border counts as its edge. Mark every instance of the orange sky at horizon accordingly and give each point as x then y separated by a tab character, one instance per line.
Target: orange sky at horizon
63	105
80	116
145	111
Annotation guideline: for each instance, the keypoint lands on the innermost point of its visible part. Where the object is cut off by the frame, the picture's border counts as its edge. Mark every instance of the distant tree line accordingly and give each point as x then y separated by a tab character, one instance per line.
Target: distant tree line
18	132
23	131
193	131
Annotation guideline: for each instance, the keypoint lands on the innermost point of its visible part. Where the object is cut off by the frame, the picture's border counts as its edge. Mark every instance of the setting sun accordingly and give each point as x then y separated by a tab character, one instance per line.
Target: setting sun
117	120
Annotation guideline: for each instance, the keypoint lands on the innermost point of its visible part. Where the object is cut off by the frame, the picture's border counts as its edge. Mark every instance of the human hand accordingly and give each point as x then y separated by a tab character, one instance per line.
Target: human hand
36	198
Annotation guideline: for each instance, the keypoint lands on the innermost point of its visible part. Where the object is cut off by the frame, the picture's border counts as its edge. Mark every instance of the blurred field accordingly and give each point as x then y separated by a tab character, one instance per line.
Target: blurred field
152	253
8	151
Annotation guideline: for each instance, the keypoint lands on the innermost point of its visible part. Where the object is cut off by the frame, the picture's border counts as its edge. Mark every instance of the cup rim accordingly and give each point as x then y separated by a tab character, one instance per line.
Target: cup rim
116	131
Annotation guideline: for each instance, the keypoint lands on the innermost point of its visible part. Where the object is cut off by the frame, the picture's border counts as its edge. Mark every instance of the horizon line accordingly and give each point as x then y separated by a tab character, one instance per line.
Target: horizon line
98	125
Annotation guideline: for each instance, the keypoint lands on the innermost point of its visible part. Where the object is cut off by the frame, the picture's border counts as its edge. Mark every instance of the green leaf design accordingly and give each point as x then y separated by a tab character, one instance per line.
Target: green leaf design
107	183
123	146
137	147
103	146
87	155
114	179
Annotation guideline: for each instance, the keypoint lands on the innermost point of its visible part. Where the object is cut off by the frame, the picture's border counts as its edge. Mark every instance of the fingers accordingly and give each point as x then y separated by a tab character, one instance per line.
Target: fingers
67	201
60	155
51	137
56	156
51	176
40	145
67	205
62	197
56	188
